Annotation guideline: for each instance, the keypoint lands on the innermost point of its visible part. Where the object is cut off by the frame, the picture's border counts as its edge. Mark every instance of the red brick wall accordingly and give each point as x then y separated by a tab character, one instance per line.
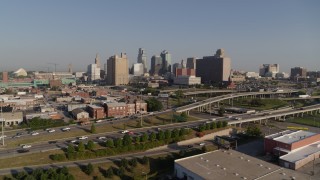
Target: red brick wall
270	144
306	141
110	112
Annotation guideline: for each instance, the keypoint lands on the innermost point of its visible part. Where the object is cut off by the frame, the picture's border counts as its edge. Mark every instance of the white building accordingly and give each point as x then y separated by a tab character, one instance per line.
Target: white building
187	80
138	69
252	75
93	72
20	72
80	114
12	118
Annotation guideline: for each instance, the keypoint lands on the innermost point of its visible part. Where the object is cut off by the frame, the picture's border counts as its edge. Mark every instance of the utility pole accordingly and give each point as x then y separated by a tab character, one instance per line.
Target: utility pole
55	66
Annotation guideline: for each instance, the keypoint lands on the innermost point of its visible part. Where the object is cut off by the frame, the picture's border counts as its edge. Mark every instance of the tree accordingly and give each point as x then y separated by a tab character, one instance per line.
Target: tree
90	145
224	123
221	111
145	160
109	172
175	133
144	137
167	134
204	149
253	131
137	139
153	136
64	170
110	143
213	125
160	135
208	126
81	147
179	94
120	172
118	142
183	132
219	124
89	169
154	104
184	115
127	140
202	127
93	129
134	162
124	163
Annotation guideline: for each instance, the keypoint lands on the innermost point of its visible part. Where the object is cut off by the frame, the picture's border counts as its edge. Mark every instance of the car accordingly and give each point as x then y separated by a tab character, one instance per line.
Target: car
19	134
52	142
4	136
66	129
34	133
83	137
125	131
130	133
74	141
23	150
51	131
101	138
202	144
190	146
98	121
25	146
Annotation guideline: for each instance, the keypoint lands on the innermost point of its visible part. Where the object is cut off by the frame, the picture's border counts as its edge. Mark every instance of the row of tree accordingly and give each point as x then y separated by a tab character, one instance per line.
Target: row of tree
213	125
42	174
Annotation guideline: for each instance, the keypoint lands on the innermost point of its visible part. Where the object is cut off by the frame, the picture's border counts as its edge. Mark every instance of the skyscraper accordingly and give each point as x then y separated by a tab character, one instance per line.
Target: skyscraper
142	58
191	63
97	61
268	69
166	61
214	68
93	72
156	65
117	70
298	72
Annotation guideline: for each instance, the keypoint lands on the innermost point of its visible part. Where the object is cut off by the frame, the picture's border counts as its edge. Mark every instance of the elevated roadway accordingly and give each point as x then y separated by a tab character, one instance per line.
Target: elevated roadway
206	103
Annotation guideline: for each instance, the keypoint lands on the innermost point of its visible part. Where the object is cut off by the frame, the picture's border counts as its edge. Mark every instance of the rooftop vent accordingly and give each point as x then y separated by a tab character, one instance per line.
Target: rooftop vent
224	168
283	173
248	160
293	178
236	174
201	157
260	165
244	178
241	157
207	160
217	165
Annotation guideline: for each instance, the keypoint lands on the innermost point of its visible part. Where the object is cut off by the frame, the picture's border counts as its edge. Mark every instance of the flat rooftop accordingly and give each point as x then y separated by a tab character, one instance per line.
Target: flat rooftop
294	136
228	165
302	153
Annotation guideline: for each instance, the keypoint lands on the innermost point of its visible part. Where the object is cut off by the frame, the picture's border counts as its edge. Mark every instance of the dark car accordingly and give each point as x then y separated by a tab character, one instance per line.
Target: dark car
52	142
23	150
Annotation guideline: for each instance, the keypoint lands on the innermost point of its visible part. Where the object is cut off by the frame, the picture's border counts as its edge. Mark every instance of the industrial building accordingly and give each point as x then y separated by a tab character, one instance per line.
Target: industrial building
294	148
229	165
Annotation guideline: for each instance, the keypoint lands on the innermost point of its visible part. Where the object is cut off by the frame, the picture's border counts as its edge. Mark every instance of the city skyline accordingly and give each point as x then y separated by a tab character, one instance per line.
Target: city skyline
36	33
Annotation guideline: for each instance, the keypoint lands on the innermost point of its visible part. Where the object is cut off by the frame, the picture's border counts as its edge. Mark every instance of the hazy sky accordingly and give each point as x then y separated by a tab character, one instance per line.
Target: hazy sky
34	33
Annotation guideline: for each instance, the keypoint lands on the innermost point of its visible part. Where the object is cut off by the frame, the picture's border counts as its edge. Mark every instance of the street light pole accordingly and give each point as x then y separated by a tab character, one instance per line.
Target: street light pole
141	107
2	133
210	98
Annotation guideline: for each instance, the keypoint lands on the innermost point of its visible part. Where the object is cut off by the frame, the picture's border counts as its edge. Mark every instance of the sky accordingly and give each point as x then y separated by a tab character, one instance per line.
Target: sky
35	33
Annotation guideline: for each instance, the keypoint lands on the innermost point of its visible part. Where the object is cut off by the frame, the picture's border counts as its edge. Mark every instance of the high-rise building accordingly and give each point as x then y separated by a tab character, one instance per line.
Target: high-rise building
176	66
156	65
93	72
298	72
183	64
97	61
138	69
142	58
191	63
4	77
166	61
118	71
214	68
268	70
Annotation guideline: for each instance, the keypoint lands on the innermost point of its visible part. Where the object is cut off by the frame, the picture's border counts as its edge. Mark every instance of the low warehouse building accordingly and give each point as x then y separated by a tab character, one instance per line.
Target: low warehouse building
229	165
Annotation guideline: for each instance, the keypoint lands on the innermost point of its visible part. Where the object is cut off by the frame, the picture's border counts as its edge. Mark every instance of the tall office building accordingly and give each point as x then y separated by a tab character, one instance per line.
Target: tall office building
176	66
268	70
97	61
117	70
138	69
298	72
214	68
142	58
191	63
156	65
183	64
93	72
166	61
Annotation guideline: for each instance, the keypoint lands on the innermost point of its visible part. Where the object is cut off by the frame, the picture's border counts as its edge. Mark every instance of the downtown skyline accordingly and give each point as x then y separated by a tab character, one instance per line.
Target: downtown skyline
36	33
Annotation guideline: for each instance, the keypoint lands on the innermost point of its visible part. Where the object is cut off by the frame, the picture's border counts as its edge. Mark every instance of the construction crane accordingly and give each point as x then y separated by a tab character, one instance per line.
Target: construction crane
55	66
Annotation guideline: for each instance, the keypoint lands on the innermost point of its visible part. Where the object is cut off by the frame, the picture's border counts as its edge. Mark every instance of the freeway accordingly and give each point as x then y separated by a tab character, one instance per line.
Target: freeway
207	92
225	97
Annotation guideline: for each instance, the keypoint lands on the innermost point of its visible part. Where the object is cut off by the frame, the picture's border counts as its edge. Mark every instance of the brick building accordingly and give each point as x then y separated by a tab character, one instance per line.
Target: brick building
294	148
116	109
96	112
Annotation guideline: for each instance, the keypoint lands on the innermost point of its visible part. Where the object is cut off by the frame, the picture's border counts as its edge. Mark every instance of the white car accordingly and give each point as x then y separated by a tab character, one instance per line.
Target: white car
202	144
26	146
125	131
34	133
66	129
83	137
74	141
51	131
4	136
101	138
98	121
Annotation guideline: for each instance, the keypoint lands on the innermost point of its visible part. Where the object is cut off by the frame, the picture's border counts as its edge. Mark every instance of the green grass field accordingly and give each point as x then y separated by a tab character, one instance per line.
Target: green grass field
267	104
307	120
